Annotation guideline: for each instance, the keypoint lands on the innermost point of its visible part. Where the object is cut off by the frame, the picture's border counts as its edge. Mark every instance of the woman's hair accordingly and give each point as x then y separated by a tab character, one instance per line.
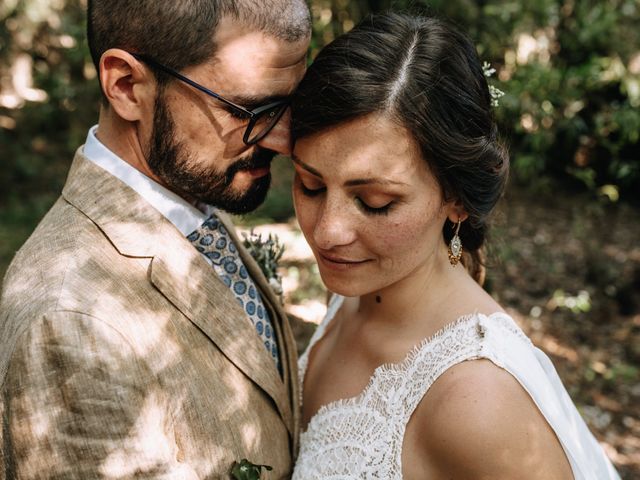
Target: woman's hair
426	76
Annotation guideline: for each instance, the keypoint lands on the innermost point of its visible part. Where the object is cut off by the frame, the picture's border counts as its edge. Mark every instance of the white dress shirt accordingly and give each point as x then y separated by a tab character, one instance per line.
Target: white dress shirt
179	212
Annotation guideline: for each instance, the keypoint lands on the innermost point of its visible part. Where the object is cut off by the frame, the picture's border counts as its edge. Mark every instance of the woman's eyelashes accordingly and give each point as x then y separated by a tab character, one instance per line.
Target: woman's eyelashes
362	205
383	210
311	192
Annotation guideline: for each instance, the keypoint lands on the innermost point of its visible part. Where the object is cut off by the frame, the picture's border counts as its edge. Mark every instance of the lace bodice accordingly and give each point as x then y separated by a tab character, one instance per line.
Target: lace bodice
361	437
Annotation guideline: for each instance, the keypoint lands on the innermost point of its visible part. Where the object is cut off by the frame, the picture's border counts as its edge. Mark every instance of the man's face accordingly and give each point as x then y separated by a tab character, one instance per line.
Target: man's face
196	147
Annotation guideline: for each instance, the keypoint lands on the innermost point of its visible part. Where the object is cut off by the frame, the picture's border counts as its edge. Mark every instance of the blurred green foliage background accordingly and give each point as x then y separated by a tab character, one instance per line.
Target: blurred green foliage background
570	70
565	253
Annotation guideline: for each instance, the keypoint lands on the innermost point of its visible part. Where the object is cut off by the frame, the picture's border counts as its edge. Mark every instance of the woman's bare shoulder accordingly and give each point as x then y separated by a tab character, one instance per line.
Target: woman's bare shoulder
477	421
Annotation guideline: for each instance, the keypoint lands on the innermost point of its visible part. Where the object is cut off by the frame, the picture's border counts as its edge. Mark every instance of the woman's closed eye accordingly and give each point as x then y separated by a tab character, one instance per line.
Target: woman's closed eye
312	190
370	208
383	210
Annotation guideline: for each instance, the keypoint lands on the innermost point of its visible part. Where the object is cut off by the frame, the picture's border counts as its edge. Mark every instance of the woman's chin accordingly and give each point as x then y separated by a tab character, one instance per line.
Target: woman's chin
345	286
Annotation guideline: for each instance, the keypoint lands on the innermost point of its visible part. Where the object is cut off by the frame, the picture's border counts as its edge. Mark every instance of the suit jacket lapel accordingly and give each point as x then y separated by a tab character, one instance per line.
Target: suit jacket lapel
213	308
179	272
289	356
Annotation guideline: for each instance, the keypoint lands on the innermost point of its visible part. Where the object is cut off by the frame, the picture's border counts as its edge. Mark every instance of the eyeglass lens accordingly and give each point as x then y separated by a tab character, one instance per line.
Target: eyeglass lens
264	122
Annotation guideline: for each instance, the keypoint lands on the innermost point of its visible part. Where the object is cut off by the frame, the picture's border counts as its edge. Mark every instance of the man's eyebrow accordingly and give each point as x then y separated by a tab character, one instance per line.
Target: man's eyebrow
253	101
349	183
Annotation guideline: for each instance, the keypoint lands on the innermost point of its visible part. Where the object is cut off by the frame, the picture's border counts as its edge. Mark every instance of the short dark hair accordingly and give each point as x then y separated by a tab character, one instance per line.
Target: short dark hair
427	77
179	33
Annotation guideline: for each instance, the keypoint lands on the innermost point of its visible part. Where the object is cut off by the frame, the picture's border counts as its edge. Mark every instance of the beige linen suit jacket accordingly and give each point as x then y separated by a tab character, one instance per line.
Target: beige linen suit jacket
123	355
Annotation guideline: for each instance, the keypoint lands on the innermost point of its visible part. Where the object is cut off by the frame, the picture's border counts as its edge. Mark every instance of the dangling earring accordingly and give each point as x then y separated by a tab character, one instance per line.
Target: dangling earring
455	247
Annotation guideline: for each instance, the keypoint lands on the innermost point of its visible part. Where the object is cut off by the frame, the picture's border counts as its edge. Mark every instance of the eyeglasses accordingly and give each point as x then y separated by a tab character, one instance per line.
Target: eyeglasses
261	119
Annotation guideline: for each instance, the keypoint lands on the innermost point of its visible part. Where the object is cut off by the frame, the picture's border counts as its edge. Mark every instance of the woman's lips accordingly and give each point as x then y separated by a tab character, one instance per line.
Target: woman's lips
339	263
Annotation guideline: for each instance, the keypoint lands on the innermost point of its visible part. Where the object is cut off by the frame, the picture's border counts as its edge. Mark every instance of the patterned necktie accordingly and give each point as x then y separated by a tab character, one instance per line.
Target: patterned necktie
213	240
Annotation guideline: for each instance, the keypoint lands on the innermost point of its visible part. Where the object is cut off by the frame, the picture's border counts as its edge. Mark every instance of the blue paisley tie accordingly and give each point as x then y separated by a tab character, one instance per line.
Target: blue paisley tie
213	240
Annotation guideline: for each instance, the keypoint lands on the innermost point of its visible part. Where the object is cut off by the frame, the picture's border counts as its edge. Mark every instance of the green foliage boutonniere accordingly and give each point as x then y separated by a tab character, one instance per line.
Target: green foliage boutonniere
267	253
245	470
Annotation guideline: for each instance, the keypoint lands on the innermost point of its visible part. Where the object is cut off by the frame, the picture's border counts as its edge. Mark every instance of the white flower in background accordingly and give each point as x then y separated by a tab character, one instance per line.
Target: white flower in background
495	92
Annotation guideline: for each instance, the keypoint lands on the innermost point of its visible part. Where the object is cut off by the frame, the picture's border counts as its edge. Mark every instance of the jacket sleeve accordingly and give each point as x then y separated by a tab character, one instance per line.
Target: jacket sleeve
78	402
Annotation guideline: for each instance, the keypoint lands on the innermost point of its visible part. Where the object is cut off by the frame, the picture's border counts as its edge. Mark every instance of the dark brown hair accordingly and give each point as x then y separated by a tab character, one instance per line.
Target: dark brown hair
427	76
180	33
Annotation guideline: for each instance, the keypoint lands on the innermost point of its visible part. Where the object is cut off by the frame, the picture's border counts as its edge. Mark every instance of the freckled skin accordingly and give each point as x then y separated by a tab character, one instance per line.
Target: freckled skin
393	266
395	244
398	256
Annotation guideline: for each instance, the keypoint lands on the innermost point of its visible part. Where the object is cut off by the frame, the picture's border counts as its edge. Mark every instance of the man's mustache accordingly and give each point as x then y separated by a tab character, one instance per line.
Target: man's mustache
261	158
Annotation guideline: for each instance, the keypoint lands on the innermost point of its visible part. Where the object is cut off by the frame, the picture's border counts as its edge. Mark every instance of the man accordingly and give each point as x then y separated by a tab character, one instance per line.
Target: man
137	336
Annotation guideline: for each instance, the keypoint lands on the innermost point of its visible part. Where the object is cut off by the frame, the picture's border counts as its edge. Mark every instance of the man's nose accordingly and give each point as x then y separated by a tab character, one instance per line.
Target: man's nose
279	138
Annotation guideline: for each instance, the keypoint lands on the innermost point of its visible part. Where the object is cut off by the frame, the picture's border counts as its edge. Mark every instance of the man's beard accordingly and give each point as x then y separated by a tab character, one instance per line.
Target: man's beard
173	164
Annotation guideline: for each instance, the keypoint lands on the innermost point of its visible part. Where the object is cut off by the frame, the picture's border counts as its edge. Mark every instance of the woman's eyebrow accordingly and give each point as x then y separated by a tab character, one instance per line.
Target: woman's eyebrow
368	181
309	169
349	183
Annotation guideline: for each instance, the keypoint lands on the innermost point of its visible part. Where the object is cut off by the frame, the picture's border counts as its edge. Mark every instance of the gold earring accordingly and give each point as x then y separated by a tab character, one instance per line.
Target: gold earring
455	247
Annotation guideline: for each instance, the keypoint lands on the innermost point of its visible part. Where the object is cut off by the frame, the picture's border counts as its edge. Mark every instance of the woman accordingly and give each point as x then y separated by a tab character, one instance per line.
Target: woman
416	372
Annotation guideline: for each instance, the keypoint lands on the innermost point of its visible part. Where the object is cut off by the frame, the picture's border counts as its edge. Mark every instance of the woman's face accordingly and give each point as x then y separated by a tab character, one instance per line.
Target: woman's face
368	205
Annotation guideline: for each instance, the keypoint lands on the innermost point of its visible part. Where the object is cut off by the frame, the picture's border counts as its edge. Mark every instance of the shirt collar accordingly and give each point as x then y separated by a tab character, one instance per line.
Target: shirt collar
184	216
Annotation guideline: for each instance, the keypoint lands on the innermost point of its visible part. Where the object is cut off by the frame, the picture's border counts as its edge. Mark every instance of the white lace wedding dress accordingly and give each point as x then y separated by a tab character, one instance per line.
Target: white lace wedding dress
361	437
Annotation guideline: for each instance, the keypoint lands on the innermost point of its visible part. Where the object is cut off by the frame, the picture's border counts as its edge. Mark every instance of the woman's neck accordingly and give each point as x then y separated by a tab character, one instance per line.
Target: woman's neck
427	289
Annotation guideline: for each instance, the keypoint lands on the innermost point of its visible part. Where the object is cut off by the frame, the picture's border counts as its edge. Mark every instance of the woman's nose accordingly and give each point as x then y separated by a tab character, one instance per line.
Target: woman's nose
334	228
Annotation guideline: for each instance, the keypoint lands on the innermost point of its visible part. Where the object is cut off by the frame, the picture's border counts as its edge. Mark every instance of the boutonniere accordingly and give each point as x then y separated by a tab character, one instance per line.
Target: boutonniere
267	253
245	470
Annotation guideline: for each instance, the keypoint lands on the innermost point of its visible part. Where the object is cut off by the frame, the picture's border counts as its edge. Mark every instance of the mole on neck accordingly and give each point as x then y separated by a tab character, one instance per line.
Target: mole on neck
378	299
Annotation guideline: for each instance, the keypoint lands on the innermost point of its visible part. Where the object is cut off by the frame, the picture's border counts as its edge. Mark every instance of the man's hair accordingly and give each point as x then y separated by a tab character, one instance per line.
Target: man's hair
179	33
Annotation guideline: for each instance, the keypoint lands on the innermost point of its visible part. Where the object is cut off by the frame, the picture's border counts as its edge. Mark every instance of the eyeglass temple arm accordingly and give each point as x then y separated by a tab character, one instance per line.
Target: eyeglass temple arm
195	85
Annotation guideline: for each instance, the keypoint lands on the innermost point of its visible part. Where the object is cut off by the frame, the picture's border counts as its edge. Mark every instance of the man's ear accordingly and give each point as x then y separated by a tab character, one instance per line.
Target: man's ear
129	86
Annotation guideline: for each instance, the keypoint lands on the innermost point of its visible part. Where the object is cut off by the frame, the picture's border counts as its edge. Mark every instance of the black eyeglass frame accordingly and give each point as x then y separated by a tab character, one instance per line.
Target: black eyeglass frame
254	115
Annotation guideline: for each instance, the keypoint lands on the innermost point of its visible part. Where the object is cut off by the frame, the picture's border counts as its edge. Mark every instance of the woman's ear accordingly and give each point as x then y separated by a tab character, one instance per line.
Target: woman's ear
456	212
127	84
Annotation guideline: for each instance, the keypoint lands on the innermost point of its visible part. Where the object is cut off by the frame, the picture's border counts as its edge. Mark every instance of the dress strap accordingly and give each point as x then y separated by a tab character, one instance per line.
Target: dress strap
335	302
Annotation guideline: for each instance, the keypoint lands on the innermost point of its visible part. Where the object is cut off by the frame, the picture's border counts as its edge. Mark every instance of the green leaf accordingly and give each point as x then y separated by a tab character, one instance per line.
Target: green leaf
245	470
